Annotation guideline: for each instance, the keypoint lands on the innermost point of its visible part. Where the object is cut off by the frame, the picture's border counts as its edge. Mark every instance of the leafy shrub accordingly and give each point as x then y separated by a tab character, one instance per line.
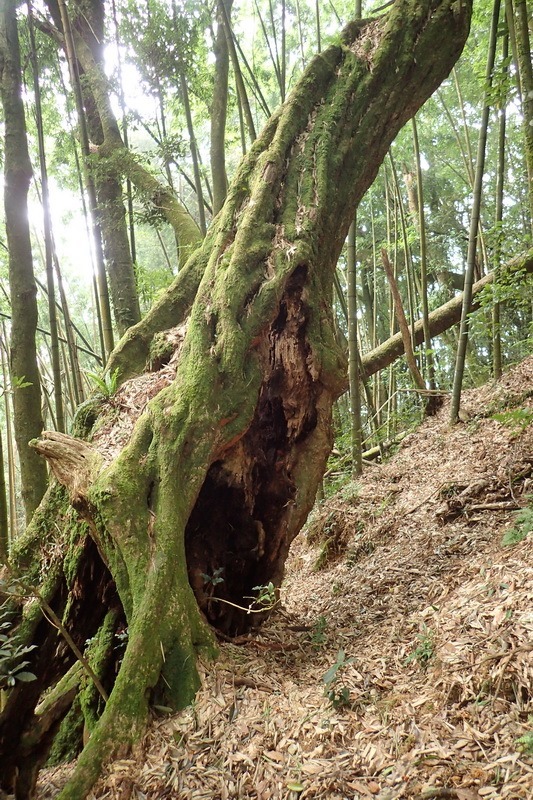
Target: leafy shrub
12	662
425	650
337	694
518	419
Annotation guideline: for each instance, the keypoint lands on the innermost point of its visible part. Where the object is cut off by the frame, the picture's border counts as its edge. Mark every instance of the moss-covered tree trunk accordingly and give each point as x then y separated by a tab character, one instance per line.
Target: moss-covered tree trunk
25	380
214	467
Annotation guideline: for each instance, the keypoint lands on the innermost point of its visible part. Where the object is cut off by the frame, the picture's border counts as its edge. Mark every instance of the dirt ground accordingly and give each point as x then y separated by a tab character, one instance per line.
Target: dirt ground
401	594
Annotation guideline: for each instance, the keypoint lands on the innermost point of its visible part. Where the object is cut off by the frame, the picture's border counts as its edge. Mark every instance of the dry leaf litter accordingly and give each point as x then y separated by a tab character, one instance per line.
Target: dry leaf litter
402	589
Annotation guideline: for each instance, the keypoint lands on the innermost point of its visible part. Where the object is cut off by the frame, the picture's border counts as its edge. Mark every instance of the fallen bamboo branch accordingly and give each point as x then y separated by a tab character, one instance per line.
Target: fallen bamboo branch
441	319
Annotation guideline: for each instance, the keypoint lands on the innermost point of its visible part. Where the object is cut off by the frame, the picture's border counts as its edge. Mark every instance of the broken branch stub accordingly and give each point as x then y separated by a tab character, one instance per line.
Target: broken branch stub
72	461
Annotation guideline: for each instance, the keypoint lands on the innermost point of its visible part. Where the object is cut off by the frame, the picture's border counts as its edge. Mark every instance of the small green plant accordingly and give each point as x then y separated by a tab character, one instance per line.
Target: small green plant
265	600
425	650
518	419
266	595
338	695
16	383
350	491
522	527
20	383
525	742
12	663
318	634
106	384
215	578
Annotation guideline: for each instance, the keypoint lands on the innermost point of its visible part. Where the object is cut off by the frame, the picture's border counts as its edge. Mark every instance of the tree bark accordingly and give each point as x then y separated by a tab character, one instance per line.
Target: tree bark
25	380
4	525
89	27
48	237
218	113
475	224
525	71
218	465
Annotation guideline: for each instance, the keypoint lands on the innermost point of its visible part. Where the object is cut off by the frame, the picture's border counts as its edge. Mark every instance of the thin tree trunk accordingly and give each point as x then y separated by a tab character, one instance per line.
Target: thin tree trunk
274	57
4	508
300	34
11	472
77	383
48	238
353	354
88	223
254	83
423	260
525	70
474	223
470	155
101	281
500	180
471	172
25	381
283	67
219	107
408	260
194	152
241	89
129	190
242	127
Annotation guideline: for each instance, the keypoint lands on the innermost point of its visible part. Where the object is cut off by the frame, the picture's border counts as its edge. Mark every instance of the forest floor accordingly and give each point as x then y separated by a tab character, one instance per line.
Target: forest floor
402	594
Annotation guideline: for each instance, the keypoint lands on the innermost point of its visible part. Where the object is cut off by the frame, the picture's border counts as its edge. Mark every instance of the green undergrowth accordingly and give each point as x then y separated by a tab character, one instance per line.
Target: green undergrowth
523	525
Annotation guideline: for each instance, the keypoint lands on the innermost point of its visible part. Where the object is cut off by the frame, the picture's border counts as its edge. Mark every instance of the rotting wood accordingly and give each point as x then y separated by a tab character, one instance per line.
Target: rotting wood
72	460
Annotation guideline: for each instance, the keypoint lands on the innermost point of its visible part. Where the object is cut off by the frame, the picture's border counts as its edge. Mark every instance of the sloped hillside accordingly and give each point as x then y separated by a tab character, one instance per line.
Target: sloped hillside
402	595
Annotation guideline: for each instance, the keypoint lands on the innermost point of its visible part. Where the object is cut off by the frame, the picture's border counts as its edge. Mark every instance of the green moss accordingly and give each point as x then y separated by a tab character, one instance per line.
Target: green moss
179	680
160	351
99	653
85	417
30	549
76	535
69	739
112	555
32	613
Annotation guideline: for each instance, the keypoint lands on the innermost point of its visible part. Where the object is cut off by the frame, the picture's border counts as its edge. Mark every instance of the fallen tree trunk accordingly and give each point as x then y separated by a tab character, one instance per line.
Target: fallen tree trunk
196	476
443	318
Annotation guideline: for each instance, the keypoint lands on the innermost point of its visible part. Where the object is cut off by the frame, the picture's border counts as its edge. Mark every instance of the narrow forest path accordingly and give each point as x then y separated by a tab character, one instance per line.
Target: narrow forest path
405	574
